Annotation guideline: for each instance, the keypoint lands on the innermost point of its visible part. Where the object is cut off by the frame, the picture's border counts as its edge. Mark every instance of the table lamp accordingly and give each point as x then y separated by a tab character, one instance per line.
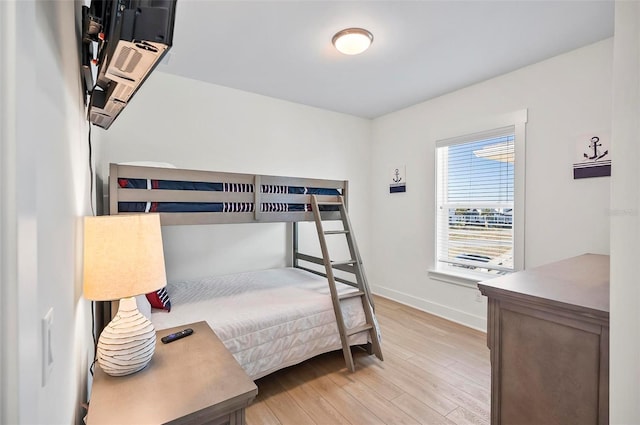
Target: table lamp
123	258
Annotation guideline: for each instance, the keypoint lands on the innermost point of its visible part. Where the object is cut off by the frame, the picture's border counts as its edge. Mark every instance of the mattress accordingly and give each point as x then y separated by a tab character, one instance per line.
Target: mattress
267	319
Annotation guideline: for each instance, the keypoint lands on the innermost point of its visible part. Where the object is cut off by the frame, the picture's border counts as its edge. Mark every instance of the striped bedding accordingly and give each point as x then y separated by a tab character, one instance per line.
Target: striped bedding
268	319
215	206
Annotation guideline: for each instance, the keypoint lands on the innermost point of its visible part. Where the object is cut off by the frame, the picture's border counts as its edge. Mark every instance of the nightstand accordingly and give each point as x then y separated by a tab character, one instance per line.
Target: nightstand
194	380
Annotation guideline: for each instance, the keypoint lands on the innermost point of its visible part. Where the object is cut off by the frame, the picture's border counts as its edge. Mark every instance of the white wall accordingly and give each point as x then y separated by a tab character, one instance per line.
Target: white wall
625	227
44	194
202	126
566	96
62	158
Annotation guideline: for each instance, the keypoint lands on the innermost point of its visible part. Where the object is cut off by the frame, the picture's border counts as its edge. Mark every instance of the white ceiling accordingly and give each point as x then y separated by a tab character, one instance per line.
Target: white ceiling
421	49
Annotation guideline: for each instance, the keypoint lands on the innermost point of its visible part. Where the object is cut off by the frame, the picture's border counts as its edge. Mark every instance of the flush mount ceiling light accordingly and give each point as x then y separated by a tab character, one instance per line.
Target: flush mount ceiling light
352	41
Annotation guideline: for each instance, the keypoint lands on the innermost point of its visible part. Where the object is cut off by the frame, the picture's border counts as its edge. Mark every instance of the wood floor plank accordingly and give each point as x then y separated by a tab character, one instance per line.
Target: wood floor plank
371	377
334	367
442	352
380	406
449	334
420	322
445	391
462	416
260	414
455	378
391	346
435	372
481	376
318	409
403	375
420	411
282	404
414	343
345	403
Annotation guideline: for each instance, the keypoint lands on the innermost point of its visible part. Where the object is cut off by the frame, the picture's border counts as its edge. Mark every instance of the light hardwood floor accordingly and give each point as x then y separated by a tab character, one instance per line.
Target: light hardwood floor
434	372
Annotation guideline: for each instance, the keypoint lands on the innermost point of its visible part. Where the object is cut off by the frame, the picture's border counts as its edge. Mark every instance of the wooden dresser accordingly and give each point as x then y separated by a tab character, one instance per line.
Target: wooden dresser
548	332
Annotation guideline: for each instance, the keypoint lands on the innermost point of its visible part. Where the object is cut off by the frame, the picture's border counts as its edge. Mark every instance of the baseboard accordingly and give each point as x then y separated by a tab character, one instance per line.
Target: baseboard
458	316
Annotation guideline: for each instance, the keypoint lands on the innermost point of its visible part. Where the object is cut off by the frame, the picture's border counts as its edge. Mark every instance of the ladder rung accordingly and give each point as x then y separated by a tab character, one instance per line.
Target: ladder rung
343	263
359	329
335	232
350	295
350	266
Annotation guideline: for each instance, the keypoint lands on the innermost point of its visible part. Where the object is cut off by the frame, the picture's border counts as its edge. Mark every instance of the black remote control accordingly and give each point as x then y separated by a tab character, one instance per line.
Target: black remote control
176	336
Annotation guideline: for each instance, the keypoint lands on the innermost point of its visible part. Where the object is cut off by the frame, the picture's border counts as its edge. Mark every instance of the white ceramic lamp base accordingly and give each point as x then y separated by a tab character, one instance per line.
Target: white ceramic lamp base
127	344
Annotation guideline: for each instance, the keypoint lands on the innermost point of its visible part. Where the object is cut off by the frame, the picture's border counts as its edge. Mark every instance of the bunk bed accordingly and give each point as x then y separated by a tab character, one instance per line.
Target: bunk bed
267	319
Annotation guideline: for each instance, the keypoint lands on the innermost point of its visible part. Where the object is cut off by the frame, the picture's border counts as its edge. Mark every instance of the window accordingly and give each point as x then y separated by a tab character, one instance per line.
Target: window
479	205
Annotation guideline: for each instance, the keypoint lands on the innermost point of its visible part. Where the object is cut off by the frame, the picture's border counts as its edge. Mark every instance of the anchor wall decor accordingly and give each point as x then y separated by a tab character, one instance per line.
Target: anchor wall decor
398	180
592	155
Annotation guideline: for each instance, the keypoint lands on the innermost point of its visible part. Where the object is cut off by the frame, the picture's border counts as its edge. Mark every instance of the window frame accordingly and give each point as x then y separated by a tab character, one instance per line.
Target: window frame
517	120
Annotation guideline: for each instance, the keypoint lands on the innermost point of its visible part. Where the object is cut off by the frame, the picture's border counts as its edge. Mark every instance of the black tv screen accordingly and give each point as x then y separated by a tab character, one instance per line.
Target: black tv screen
132	38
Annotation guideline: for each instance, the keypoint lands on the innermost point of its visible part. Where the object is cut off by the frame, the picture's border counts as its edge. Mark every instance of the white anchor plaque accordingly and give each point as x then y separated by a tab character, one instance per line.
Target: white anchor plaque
593	156
398	181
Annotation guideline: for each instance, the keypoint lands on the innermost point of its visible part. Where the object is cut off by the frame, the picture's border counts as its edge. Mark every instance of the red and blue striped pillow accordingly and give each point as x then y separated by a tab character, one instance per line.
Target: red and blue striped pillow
160	299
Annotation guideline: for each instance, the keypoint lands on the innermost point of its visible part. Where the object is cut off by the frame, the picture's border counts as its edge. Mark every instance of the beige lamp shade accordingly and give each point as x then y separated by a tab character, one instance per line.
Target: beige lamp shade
123	256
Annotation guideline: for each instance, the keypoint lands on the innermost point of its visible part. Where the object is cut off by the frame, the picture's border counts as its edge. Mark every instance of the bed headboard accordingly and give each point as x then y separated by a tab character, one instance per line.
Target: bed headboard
224	197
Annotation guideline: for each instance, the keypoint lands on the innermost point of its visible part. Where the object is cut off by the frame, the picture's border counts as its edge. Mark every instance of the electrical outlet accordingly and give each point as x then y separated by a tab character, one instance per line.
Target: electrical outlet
47	344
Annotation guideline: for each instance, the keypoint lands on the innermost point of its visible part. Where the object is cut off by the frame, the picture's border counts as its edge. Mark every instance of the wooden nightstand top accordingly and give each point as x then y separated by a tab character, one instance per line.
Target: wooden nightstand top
189	380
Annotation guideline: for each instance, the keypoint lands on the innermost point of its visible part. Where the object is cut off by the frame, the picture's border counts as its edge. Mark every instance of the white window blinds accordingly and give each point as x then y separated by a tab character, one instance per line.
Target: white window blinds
475	201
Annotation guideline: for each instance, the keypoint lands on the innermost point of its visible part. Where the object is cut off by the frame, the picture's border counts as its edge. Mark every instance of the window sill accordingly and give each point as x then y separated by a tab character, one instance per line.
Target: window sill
468	279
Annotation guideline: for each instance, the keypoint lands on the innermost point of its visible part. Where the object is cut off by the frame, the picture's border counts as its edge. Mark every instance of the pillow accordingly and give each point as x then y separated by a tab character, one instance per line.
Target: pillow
160	299
143	306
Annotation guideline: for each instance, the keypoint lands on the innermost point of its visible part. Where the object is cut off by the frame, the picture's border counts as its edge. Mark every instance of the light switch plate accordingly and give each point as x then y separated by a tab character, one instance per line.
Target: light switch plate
47	343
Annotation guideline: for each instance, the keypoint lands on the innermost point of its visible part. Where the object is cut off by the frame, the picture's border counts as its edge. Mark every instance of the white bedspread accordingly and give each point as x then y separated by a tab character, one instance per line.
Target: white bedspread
268	319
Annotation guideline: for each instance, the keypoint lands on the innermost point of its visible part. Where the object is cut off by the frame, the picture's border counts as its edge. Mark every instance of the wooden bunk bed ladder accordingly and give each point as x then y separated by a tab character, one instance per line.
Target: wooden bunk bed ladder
355	264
